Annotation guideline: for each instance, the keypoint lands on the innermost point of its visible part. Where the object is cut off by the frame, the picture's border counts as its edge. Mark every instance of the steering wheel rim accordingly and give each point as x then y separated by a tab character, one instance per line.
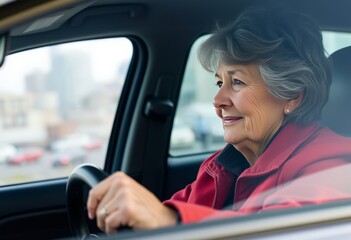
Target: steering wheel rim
82	176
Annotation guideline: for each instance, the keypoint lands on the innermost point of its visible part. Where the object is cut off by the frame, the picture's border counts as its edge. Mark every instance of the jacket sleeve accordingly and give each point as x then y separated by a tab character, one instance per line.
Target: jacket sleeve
191	212
184	194
321	182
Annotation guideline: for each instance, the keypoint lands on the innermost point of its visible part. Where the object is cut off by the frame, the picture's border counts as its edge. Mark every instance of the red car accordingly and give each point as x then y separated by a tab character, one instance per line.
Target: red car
93	145
26	155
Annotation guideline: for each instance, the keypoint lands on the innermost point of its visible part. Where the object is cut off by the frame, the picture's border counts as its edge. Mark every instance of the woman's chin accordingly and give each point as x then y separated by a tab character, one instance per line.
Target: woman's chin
232	140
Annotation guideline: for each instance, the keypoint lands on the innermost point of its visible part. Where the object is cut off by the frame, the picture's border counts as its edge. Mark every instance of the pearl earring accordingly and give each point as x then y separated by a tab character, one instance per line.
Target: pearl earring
287	111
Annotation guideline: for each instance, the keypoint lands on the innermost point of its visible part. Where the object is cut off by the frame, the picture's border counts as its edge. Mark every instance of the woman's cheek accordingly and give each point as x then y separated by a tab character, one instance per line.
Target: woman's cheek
245	102
248	105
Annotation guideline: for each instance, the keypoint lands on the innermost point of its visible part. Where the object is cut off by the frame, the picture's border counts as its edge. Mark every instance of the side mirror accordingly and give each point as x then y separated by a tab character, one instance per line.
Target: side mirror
3	46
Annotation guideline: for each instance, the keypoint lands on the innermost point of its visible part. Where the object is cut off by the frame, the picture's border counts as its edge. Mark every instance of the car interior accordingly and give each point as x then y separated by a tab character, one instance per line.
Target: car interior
339	97
161	33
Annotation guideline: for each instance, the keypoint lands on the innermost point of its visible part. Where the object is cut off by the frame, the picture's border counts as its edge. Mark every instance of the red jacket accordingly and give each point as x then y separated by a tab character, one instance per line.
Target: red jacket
300	166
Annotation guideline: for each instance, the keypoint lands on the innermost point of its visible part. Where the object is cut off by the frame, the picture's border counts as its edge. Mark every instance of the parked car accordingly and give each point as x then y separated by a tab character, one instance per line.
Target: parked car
134	108
7	152
26	155
82	141
68	157
182	136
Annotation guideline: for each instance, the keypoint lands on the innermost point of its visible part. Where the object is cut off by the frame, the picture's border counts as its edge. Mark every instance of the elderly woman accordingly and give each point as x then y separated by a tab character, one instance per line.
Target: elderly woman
273	80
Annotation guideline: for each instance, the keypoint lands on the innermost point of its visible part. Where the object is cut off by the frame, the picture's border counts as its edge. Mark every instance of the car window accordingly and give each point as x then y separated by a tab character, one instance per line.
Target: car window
203	128
47	97
204	131
333	41
4	2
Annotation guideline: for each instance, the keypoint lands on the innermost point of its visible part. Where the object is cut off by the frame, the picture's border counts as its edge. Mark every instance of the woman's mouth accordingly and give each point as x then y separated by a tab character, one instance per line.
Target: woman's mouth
230	120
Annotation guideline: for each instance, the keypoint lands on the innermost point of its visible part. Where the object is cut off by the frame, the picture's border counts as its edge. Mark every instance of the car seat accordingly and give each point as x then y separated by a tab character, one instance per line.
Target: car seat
337	112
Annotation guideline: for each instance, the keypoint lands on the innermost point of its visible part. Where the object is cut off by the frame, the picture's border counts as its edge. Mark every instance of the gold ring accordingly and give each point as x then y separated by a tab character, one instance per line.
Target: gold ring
104	212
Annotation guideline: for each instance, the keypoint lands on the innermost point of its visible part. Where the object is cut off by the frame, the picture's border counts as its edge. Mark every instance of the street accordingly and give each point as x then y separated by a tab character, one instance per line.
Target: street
43	168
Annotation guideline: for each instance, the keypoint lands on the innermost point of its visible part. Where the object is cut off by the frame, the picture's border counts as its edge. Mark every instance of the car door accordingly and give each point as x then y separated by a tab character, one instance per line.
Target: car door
55	104
57	112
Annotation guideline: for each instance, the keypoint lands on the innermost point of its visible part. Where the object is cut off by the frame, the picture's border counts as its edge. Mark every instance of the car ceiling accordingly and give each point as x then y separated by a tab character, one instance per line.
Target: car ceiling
149	18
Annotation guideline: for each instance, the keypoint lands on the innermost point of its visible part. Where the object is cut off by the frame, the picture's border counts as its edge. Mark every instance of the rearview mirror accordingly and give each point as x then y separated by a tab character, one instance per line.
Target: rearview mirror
3	45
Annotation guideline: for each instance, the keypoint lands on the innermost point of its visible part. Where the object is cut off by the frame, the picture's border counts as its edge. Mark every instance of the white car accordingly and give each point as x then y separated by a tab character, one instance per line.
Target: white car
7	151
75	141
182	135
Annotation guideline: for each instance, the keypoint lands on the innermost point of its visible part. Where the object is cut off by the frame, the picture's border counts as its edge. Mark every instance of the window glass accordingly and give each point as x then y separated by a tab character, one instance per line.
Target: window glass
57	105
4	2
197	129
335	40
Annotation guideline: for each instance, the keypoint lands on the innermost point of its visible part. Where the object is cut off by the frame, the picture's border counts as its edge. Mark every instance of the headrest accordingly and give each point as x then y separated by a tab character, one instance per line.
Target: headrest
337	112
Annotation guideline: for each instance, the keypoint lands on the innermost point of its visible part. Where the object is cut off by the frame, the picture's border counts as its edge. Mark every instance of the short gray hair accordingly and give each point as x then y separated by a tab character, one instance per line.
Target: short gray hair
288	49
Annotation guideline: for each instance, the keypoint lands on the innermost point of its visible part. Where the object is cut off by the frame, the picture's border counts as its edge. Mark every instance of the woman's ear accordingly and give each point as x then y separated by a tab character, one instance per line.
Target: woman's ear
292	104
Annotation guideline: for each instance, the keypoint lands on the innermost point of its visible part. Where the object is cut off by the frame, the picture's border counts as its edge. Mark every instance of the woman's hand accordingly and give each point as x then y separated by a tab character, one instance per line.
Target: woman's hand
121	201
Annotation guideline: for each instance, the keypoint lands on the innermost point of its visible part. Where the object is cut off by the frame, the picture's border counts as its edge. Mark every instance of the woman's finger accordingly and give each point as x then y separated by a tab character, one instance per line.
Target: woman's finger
97	194
107	206
113	222
101	215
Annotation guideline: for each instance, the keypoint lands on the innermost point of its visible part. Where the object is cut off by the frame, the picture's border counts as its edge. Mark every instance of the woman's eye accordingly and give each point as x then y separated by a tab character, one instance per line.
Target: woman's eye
237	85
237	82
219	84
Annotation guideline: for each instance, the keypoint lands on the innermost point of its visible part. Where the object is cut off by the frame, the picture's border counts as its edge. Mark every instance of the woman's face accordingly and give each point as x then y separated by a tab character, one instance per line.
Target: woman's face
249	113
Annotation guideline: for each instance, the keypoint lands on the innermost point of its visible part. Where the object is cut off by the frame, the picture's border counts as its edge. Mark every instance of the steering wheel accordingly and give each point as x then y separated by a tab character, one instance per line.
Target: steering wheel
82	176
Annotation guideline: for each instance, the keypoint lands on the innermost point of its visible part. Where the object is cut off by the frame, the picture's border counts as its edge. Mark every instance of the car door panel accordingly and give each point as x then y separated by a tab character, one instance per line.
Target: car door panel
34	209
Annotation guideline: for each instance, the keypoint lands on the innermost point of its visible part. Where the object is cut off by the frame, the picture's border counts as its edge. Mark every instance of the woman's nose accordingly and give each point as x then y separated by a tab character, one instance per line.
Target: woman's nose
222	98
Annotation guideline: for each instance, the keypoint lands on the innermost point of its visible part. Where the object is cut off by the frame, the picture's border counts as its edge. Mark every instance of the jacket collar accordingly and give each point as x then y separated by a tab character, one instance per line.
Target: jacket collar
232	160
283	145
